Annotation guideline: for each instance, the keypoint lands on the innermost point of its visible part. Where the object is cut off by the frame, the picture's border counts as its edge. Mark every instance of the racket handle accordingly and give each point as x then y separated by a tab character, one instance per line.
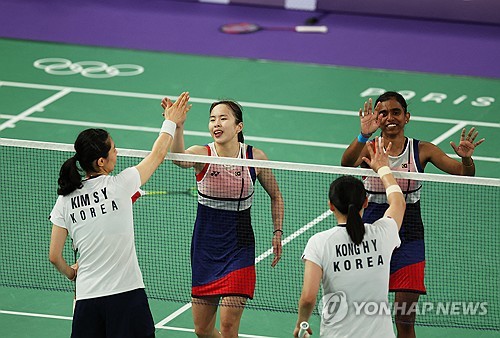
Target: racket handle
303	330
311	29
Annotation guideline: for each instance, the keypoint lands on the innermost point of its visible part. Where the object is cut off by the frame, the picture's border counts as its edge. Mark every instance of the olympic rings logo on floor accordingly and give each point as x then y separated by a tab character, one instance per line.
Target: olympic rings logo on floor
90	69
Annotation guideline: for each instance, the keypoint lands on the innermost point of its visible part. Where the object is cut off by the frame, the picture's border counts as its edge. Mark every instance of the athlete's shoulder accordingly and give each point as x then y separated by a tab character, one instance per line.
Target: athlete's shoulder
326	235
197	150
425	145
383	221
428	149
258	154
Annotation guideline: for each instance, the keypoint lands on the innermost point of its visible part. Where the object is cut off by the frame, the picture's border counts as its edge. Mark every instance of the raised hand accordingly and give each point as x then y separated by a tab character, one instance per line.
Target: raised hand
379	157
176	112
166	103
466	146
369	118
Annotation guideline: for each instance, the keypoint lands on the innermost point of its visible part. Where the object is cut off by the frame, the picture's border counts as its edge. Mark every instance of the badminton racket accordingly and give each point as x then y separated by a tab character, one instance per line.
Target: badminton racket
304	326
245	27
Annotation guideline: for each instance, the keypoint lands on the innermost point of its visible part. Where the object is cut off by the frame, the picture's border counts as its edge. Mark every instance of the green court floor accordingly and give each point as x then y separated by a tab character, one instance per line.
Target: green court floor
294	112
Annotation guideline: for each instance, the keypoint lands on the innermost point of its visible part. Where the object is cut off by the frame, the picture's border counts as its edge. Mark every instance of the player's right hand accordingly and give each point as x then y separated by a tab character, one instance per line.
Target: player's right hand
176	112
369	118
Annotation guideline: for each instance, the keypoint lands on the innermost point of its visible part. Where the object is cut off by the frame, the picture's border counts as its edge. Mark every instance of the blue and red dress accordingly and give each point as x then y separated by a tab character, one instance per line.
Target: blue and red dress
408	261
223	244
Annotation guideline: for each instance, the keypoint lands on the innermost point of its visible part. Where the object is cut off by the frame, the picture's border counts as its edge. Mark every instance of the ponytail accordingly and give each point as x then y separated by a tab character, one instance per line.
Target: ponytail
348	195
69	177
90	145
355	226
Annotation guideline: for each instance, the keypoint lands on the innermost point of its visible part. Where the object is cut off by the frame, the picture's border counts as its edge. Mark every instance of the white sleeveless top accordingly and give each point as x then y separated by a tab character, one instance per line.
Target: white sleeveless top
225	187
407	161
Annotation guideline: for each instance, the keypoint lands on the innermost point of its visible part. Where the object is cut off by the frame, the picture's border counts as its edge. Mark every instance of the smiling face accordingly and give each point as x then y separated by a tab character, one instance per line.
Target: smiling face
223	125
393	117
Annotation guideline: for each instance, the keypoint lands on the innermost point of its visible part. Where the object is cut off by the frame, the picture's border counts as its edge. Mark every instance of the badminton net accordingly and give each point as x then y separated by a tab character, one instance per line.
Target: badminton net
460	215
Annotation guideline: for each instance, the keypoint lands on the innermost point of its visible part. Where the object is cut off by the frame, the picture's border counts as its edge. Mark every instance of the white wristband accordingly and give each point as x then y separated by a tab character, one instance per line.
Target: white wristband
391	189
168	127
384	171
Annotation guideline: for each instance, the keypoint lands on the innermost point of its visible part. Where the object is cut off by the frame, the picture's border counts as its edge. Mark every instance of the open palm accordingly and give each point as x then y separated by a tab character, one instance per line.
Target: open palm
369	118
466	146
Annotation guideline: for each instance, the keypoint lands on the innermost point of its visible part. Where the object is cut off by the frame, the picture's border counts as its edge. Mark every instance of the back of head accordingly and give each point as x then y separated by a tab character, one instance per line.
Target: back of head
237	113
347	194
90	145
393	95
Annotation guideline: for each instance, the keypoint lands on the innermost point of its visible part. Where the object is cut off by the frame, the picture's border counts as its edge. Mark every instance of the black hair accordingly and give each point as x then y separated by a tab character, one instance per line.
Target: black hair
237	113
348	194
393	95
90	145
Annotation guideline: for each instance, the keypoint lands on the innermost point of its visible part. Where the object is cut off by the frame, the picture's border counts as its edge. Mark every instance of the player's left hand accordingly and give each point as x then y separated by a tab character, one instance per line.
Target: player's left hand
297	330
466	146
276	248
379	156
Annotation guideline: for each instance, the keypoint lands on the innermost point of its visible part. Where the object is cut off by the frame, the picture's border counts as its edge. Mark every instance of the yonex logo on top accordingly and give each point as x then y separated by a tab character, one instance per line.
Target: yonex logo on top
89	69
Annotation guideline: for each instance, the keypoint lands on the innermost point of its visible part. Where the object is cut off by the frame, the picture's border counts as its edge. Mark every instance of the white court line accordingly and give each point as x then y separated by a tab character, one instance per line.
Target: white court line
261	257
245	104
177	313
450	132
454	130
186	132
36	108
478	158
192	330
204	134
39	315
295	234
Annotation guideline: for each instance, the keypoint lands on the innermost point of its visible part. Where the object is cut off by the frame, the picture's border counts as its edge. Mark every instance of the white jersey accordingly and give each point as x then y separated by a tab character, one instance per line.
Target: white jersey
99	219
353	274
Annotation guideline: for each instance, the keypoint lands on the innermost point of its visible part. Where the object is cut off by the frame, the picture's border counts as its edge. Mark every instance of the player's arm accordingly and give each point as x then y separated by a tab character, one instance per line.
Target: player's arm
312	280
178	145
369	123
465	149
193	150
174	114
353	155
379	162
270	185
433	154
57	240
395	198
